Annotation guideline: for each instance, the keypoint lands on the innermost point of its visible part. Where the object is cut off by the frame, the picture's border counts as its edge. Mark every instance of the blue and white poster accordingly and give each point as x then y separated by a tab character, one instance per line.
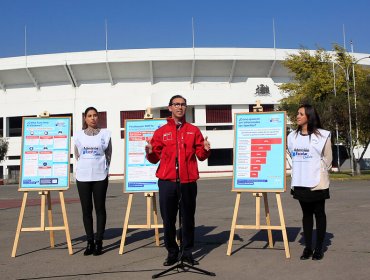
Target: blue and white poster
259	152
45	153
139	172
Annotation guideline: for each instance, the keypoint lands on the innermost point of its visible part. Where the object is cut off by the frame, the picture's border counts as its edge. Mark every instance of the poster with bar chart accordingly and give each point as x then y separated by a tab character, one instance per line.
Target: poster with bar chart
259	152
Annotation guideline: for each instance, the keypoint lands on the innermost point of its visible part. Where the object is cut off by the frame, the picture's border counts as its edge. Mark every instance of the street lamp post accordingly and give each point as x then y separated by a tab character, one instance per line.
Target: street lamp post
350	122
336	124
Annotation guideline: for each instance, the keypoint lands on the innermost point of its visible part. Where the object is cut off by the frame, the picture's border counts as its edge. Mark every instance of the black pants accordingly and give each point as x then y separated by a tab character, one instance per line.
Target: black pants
169	197
97	191
310	209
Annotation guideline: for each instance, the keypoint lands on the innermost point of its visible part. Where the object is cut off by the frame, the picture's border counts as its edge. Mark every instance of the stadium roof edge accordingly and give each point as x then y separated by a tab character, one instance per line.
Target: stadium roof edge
145	64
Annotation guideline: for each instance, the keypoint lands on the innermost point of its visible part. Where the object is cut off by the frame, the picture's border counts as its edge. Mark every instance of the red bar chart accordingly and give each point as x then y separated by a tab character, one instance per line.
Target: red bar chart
259	150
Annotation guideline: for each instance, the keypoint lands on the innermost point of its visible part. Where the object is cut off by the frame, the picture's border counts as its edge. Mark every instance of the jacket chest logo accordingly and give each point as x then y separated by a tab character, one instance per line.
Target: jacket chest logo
167	136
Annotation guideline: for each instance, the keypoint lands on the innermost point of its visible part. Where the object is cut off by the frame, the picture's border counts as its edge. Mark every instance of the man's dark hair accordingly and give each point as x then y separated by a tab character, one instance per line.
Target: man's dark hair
176	96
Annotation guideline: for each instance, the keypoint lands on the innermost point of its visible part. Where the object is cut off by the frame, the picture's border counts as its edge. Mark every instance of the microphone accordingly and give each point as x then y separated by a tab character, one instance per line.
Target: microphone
178	126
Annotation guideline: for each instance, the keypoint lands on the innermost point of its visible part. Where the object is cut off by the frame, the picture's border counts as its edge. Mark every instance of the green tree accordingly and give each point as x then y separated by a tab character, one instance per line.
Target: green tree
313	82
3	148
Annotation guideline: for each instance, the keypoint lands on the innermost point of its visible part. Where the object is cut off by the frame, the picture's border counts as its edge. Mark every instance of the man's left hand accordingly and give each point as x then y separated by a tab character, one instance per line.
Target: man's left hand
207	144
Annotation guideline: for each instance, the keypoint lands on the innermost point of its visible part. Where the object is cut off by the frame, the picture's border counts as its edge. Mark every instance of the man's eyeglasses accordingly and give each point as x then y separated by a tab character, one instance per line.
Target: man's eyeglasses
178	105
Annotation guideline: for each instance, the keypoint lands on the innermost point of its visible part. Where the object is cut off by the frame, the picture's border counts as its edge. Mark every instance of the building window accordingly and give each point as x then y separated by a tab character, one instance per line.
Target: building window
15	126
219	127
165	113
13	173
266	107
102	119
14	157
218	114
220	157
130	115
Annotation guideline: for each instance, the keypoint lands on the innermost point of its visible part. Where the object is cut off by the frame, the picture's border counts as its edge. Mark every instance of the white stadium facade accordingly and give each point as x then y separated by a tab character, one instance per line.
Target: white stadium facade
122	84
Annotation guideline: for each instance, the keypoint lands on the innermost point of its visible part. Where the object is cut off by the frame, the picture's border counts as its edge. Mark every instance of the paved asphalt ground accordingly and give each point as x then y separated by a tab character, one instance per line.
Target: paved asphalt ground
347	244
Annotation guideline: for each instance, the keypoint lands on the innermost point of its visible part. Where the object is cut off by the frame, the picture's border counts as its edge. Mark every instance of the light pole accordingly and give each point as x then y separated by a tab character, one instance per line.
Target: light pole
336	123
346	72
349	119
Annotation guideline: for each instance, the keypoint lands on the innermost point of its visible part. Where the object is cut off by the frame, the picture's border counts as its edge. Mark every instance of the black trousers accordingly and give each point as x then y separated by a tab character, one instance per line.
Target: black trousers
310	209
170	197
93	191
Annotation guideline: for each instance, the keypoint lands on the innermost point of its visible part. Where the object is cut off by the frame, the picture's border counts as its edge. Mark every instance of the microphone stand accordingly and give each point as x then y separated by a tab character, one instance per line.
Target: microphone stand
180	262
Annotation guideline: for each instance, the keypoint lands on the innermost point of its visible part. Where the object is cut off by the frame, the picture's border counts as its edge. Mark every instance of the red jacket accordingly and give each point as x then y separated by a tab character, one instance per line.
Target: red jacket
190	143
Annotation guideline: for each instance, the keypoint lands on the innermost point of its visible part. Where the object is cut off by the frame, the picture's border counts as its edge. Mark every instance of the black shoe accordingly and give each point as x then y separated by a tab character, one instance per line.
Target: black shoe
89	248
189	259
170	260
307	253
98	249
318	255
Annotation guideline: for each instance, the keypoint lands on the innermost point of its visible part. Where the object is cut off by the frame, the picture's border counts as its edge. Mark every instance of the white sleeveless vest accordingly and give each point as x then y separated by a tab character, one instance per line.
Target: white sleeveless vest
92	164
306	157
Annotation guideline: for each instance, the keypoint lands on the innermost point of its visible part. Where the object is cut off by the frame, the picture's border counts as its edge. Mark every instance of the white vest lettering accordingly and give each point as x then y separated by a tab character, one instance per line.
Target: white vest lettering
92	164
306	154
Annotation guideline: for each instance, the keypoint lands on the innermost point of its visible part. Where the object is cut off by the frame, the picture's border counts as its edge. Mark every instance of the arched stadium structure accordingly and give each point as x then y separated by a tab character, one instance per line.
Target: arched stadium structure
121	84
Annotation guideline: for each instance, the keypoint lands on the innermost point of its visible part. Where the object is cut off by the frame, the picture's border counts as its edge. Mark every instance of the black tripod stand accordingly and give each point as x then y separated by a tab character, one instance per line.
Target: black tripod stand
181	266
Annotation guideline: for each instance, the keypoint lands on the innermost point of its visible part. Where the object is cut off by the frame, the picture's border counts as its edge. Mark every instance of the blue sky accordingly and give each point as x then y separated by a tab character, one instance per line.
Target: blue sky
55	26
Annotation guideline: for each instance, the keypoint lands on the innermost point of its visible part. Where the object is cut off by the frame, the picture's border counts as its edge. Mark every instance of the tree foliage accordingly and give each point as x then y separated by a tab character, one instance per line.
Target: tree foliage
314	83
3	148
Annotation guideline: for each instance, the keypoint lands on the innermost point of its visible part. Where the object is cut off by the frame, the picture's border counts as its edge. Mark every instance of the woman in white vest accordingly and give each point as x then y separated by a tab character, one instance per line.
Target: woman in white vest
310	149
93	150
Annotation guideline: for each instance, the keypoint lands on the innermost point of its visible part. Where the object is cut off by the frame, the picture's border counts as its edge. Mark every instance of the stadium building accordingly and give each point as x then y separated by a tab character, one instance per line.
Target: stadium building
122	84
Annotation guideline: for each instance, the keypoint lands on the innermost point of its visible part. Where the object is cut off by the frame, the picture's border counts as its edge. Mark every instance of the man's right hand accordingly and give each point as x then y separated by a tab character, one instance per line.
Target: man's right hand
148	147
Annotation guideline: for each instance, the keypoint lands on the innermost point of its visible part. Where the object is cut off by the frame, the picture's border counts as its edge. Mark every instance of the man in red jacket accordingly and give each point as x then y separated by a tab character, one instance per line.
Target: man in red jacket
177	145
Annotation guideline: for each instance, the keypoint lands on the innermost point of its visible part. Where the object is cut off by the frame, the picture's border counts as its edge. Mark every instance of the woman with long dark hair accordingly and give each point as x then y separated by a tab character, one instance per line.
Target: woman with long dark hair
93	150
310	148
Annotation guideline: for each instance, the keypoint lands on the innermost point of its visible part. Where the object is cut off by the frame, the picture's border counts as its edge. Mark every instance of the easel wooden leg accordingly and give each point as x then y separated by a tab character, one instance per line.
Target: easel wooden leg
42	206
125	224
155	219
283	227
233	224
268	220
50	219
149	199
148	210
65	220
258	210
19	226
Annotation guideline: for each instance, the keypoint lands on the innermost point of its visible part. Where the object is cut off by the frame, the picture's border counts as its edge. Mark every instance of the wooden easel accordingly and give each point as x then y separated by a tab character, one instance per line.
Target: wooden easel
150	203
258	225
45	195
150	200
